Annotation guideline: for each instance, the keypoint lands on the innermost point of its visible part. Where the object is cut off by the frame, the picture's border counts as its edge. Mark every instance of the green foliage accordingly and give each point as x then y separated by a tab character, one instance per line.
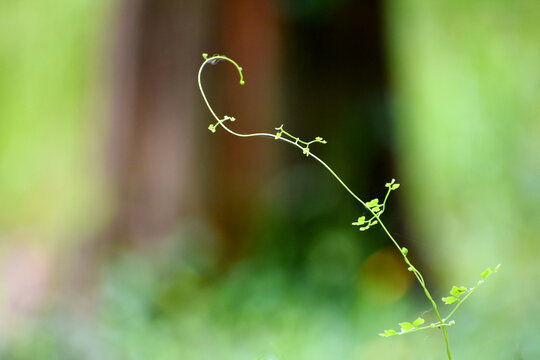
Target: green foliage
419	321
449	300
489	271
456	292
305	150
374	208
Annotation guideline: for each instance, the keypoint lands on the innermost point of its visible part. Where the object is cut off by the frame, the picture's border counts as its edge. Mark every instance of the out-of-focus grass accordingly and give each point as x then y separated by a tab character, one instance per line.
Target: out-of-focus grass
167	307
168	303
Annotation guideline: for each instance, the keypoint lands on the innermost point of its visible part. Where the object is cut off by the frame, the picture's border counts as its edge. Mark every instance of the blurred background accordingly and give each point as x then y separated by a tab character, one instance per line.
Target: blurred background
129	231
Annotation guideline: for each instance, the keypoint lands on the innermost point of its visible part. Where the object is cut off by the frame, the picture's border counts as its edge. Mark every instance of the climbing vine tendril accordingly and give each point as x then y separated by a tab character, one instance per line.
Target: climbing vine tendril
374	208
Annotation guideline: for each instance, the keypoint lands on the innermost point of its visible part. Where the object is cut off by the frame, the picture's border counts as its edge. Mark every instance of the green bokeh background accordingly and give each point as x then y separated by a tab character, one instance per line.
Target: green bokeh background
454	116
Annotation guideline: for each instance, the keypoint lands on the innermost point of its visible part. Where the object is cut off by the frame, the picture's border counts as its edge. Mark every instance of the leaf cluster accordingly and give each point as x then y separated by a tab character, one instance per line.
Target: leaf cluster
305	150
458	294
375	208
212	127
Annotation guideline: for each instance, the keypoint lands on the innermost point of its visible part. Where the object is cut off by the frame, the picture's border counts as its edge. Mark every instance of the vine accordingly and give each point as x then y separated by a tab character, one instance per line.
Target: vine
458	295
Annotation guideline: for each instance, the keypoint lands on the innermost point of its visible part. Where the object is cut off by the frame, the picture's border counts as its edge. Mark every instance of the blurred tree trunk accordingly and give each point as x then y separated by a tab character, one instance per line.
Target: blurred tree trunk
151	146
157	113
248	31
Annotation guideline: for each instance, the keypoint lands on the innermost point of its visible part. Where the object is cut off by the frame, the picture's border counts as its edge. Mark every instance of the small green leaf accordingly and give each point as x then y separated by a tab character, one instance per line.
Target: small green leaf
457	291
449	300
404	251
278	135
372	203
406	326
418	322
212	127
361	221
394	187
486	273
306	151
387	333
318	138
373	222
389	184
205	56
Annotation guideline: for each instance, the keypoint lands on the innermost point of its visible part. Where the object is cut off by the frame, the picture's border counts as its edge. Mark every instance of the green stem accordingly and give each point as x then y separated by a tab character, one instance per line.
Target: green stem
461	301
417	274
